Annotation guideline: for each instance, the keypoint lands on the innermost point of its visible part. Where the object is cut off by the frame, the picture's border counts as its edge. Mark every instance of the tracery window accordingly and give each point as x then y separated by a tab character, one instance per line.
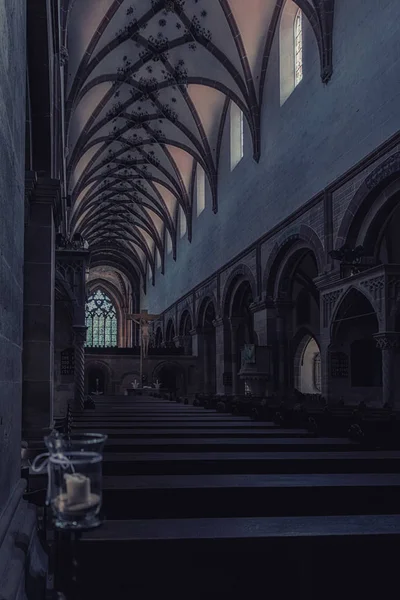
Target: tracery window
101	321
298	47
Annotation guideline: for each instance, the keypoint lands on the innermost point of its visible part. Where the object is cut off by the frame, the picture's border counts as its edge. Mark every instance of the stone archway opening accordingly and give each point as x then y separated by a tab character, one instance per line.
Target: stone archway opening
96	380
297	324
355	361
241	330
307	366
171	376
185	329
207	345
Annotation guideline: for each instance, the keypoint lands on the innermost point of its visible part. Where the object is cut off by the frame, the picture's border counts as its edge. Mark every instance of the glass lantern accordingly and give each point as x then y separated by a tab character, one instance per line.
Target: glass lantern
75	479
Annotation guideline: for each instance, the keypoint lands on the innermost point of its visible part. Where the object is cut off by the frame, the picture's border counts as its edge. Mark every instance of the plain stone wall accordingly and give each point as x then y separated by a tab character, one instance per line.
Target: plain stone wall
317	135
12	173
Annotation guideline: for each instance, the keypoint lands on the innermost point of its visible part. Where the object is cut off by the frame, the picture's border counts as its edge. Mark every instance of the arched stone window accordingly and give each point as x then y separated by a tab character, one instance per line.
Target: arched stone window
298	47
200	190
101	321
291	49
237	140
169	242
182	222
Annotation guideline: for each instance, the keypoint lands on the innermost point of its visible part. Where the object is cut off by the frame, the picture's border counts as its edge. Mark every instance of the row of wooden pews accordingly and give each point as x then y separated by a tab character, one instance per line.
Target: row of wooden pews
370	426
205	504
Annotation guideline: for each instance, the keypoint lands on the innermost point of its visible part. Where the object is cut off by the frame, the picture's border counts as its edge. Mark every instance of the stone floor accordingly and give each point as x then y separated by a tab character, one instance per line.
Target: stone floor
199	504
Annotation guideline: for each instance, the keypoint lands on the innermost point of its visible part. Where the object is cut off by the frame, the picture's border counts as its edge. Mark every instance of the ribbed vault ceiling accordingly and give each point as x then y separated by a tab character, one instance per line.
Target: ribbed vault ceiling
148	87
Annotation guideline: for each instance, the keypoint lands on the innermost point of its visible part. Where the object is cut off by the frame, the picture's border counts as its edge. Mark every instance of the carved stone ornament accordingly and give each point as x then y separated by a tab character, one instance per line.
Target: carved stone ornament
328	303
388	168
387	340
64	56
376	288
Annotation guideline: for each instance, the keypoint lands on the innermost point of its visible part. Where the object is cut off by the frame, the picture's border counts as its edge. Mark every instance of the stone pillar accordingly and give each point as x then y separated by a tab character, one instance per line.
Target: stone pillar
187	344
388	343
223	355
79	376
39	278
282	313
260	312
234	324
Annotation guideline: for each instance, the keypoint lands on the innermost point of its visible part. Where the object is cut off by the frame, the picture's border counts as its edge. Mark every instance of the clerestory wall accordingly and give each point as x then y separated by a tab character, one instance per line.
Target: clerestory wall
319	133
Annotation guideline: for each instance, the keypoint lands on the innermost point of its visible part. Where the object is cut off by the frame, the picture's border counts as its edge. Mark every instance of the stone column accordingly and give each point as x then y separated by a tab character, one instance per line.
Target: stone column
39	277
223	355
234	324
79	347
388	343
282	313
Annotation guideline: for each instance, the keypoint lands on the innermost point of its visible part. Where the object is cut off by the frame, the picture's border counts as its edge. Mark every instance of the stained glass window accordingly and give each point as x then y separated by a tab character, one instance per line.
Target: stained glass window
298	48
101	321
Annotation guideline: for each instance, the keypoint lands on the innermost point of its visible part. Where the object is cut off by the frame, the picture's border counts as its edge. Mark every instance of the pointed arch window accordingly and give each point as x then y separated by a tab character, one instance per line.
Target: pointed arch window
169	243
200	189
101	321
298	48
182	222
237	133
291	47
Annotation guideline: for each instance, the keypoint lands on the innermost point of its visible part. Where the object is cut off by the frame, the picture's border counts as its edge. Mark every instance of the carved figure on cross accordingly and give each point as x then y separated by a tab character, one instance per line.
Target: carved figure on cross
143	319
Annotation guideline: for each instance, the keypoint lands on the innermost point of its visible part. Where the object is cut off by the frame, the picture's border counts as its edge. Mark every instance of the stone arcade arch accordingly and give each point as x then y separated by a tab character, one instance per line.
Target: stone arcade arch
101	371
206	341
185	328
158	340
239	297
307	365
289	283
172	377
354	360
170	333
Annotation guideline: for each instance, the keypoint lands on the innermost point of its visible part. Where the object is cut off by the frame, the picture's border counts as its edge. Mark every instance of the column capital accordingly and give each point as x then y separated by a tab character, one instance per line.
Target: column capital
195	331
80	333
387	340
263	304
220	322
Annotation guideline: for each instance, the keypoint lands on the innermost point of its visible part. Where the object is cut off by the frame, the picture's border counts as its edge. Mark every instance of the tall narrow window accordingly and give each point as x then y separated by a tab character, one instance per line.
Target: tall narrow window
149	271
236	135
101	321
290	49
169	243
200	189
158	258
182	222
298	48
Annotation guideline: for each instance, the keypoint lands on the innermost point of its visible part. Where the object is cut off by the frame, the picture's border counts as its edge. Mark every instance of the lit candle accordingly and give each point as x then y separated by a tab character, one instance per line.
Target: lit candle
78	488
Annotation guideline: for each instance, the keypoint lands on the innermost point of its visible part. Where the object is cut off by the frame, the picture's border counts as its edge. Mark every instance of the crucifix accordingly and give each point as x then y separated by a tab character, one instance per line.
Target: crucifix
143	319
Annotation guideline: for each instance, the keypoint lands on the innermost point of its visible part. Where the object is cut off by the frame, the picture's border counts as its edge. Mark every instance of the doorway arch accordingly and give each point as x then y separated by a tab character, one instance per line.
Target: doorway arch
172	377
307	366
